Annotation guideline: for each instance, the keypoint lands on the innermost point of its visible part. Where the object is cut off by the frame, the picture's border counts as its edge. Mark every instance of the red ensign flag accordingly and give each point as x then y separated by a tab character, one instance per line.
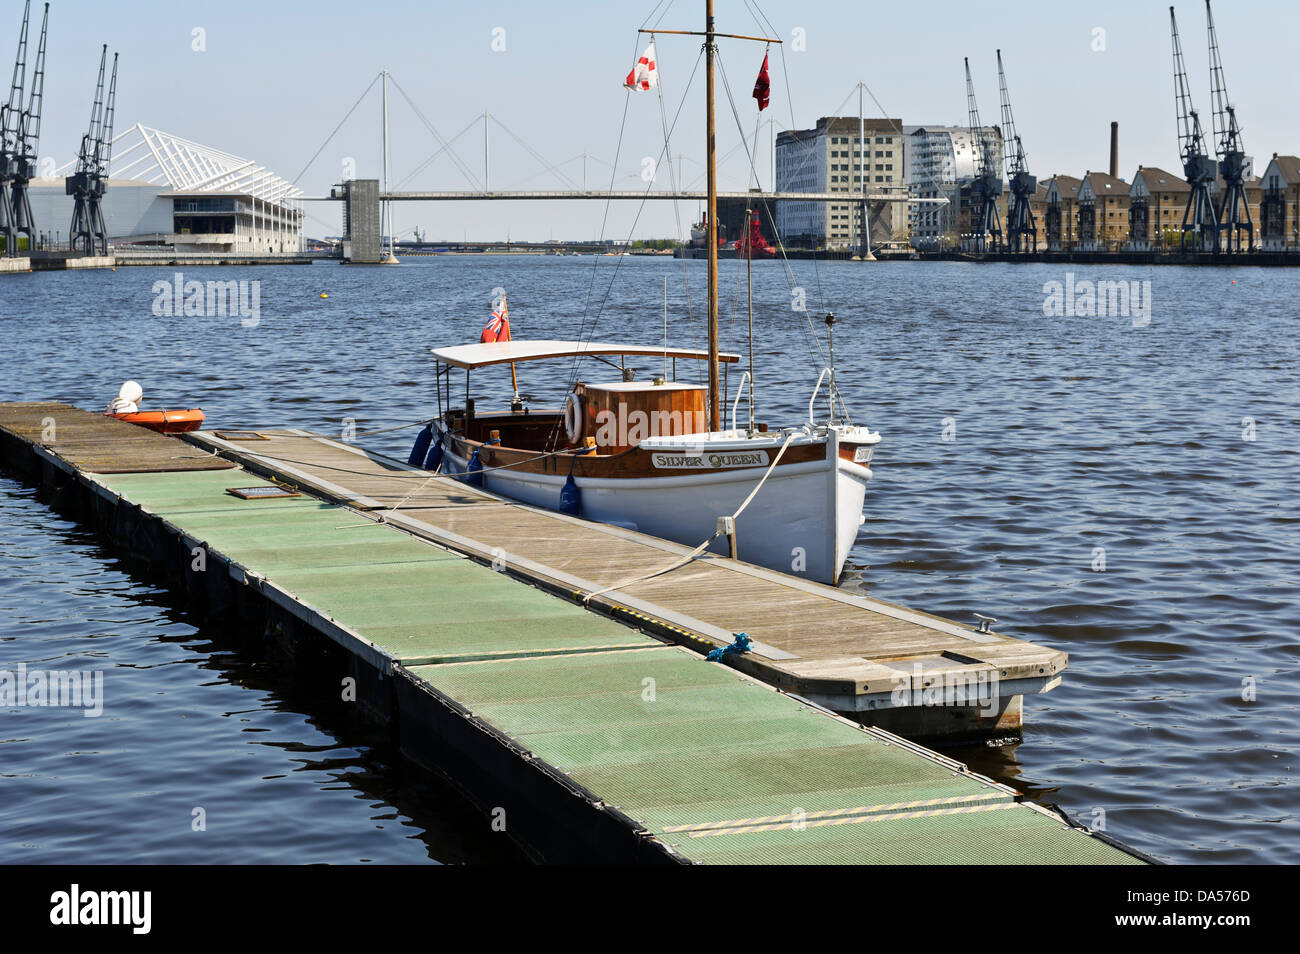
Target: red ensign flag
498	326
763	87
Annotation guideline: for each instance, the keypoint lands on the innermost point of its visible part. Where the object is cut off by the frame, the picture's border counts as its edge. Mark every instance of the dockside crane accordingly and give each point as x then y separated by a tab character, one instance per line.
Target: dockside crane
88	233
1199	217
29	145
21	126
987	184
1233	213
10	116
1022	229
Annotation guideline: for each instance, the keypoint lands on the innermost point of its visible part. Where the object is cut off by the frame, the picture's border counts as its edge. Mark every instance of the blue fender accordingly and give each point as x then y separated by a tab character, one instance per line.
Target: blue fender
571	498
474	470
434	460
421	446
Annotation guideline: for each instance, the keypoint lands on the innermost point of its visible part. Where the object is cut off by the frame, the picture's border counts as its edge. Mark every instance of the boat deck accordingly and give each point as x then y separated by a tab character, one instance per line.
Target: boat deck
847	652
596	741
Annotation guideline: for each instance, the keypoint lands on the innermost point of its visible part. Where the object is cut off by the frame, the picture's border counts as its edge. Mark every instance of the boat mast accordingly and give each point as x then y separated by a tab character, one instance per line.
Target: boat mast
711	232
711	164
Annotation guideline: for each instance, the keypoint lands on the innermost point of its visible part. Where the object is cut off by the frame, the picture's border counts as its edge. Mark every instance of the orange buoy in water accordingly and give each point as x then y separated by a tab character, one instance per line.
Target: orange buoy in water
323	295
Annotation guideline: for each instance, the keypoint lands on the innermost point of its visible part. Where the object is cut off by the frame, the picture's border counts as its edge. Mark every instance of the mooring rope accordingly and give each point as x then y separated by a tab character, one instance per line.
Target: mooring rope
398	427
703	546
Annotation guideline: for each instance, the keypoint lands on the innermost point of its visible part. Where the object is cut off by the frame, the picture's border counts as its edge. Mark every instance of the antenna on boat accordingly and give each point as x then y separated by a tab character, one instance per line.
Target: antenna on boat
749	290
665	327
711	233
830	331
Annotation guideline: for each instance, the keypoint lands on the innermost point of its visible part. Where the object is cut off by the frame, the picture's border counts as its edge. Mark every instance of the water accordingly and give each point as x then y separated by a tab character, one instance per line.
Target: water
1019	452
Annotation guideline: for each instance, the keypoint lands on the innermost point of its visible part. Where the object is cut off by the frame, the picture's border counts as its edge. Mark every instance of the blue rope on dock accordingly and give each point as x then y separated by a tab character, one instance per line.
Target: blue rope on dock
740	645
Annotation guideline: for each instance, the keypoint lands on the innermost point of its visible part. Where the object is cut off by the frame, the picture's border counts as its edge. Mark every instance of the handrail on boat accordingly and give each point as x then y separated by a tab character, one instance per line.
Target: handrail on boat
813	400
736	403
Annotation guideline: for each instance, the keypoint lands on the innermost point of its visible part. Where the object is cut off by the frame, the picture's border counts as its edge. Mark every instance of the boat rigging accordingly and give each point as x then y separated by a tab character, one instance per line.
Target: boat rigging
656	455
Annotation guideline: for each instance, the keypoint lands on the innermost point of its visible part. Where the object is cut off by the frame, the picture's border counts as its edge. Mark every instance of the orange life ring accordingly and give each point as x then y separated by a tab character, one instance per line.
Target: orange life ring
165	422
573	414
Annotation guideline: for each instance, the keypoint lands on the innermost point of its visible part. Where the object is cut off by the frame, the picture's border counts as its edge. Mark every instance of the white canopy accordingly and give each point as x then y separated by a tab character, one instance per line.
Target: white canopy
506	352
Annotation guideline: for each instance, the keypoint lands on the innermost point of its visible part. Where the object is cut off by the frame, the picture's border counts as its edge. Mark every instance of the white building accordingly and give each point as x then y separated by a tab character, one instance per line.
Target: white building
130	208
166	190
830	158
940	159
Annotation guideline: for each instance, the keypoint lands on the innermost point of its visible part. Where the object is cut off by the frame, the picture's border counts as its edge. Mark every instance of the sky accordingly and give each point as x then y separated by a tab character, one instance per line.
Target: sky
271	81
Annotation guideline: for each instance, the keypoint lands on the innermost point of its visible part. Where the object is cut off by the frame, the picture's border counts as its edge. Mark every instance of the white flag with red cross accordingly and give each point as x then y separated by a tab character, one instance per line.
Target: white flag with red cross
645	75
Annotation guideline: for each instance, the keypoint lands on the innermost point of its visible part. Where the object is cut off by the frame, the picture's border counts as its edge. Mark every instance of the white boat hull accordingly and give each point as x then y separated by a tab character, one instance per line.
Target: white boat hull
803	521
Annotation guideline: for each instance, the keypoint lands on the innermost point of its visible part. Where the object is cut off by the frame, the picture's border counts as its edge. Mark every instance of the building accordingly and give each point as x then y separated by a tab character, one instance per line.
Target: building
968	219
1060	224
1157	200
167	191
940	160
1103	212
1254	190
1038	209
1279	212
130	208
830	158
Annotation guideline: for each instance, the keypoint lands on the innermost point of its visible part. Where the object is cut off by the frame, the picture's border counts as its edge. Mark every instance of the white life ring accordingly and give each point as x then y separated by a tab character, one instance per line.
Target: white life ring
573	414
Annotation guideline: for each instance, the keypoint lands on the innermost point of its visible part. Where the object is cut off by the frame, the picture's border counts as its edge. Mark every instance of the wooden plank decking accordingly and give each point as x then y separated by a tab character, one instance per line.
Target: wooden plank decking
101	445
600	743
847	652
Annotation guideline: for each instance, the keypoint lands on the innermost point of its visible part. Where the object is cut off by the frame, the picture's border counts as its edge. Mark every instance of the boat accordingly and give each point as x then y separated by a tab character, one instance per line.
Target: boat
699	231
753	244
652	455
165	422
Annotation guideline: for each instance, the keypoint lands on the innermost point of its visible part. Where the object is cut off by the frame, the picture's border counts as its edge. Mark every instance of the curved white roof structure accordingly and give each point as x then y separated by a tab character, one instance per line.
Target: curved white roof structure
502	352
144	154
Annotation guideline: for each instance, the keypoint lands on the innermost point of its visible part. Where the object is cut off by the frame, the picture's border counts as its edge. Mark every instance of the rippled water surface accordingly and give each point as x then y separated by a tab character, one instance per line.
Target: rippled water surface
1019	453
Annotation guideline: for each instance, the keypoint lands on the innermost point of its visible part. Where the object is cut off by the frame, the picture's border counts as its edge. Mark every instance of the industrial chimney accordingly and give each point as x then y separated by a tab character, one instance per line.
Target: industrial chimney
1114	150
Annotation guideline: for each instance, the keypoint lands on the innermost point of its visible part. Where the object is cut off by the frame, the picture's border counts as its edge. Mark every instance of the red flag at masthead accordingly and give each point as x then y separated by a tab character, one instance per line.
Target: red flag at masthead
763	87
